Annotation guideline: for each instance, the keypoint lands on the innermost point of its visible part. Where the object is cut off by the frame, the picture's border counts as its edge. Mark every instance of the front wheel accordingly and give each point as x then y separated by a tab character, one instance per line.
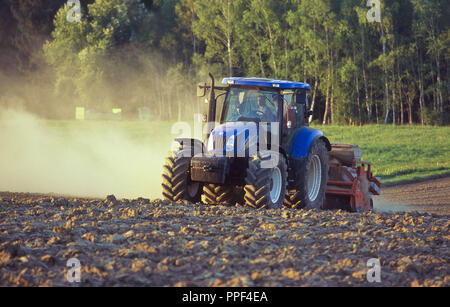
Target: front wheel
177	184
214	194
266	181
312	179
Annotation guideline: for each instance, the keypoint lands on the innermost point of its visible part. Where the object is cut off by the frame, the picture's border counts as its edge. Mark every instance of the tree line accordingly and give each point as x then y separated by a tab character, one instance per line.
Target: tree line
132	53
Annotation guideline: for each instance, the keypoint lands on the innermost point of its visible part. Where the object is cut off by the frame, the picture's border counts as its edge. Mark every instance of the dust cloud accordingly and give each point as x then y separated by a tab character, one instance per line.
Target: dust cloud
40	156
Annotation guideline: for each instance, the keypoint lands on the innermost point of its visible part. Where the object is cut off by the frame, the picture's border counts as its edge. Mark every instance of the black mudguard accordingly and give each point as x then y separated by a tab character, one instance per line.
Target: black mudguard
209	169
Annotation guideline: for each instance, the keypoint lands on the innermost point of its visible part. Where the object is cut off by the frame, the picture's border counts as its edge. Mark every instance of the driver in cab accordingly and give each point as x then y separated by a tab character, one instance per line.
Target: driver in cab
266	112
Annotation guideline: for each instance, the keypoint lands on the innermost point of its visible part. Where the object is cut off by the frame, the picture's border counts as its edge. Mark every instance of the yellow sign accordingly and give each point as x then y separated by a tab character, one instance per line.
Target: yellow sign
79	113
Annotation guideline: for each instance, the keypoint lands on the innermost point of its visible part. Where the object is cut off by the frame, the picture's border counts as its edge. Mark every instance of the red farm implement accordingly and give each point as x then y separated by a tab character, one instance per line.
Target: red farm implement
350	183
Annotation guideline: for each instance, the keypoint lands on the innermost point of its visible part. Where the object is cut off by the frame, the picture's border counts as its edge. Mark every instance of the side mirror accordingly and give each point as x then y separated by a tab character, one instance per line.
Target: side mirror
308	99
201	89
300	97
291	119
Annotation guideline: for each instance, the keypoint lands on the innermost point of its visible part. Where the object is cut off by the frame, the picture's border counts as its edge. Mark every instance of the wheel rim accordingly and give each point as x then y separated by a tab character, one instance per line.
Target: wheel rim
275	185
192	189
314	178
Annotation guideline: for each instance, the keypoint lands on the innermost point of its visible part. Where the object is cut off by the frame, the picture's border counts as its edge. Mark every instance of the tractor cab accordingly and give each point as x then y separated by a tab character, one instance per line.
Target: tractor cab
260	101
267	100
279	98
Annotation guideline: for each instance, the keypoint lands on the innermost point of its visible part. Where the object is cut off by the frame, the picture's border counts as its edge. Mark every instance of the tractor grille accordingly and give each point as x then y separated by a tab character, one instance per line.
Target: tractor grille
220	142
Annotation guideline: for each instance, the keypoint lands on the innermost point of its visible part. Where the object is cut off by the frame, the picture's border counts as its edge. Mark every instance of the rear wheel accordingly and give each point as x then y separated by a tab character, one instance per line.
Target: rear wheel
265	185
177	184
313	177
292	199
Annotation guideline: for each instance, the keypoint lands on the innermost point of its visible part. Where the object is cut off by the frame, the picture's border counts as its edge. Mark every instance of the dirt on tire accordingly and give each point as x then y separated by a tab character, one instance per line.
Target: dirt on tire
139	242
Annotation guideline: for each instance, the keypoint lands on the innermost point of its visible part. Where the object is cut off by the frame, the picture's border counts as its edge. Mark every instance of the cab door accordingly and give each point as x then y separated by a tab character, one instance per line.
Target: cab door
297	106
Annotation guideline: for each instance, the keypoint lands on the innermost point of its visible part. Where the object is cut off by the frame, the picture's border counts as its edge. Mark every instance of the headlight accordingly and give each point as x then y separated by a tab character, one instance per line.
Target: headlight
230	143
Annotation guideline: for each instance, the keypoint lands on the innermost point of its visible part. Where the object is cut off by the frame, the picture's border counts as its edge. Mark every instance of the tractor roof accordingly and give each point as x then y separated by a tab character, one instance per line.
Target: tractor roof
262	82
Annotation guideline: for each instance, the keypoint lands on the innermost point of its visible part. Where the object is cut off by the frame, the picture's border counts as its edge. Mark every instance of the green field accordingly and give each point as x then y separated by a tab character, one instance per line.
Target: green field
399	154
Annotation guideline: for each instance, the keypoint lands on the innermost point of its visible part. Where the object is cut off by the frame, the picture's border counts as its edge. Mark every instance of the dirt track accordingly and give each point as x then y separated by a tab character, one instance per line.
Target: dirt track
158	243
432	196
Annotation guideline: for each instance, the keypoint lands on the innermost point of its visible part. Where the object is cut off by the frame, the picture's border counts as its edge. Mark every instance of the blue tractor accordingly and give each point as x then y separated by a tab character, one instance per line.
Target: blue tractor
259	151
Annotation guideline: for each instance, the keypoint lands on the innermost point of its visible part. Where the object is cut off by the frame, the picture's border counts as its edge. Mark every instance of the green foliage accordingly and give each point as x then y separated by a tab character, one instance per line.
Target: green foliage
262	38
216	24
394	71
88	56
432	117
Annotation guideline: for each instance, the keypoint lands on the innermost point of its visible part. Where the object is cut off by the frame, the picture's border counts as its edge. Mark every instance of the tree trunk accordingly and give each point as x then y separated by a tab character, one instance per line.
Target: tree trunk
325	115
194	41
366	91
421	103
376	112
272	52
313	99
400	98
410	112
401	111
332	104
315	78
421	94
286	58
438	69
421	97
393	98
332	88
230	62
372	103
261	64
386	86
357	98
386	117
439	92
357	87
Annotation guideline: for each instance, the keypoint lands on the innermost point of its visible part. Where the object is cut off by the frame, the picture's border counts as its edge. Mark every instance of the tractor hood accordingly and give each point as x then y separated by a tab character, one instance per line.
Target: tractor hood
233	137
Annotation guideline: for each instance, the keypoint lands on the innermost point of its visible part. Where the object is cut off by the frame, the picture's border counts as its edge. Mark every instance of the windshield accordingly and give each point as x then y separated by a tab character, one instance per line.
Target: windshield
251	105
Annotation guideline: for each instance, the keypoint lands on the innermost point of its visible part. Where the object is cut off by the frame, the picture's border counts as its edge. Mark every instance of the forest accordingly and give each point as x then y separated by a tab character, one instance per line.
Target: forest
130	54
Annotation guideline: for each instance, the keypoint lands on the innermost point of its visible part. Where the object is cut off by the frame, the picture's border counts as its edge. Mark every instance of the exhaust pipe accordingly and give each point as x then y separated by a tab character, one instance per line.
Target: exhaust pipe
212	108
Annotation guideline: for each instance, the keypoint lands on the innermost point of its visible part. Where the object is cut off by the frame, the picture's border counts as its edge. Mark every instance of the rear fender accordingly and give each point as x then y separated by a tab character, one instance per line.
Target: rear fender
302	139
